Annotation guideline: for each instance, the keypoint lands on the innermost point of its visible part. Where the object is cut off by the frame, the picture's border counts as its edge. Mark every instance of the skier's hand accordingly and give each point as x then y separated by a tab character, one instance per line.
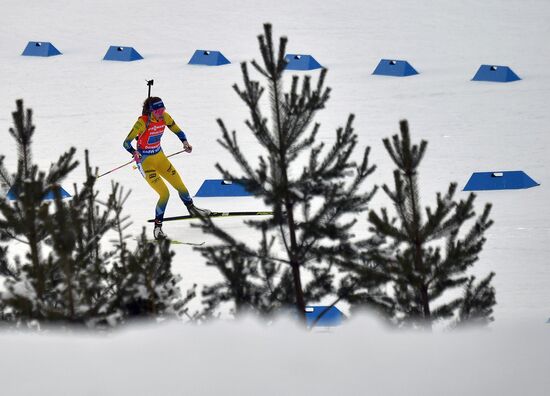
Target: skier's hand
187	147
137	157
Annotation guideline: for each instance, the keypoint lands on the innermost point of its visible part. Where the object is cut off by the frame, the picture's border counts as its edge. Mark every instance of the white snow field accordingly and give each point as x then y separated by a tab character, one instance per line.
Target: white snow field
80	100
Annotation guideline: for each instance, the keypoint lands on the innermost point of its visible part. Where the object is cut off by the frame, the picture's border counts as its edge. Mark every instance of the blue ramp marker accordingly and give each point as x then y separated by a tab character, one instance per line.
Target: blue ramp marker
495	74
40	48
208	58
12	194
301	62
331	318
511	180
395	68
122	54
222	188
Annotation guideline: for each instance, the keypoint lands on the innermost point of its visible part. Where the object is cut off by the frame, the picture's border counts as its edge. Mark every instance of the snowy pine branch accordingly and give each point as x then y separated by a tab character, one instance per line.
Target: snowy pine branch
422	259
308	207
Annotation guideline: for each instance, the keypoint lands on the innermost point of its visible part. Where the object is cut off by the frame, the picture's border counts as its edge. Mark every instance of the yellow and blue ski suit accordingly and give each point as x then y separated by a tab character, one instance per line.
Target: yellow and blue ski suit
154	166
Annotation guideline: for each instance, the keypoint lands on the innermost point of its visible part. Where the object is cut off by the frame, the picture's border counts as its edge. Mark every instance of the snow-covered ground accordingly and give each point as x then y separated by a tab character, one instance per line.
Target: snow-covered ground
246	358
80	100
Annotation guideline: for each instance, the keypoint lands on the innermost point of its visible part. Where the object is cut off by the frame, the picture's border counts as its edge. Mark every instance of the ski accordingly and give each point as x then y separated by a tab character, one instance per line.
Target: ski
217	214
176	242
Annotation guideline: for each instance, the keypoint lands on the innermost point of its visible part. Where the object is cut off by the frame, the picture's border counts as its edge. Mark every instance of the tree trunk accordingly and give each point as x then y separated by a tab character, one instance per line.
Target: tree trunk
427	316
35	255
300	303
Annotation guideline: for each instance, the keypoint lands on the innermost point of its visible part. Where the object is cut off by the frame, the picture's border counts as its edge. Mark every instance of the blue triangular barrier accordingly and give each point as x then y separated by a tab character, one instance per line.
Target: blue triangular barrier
40	48
222	188
301	62
332	317
122	54
495	74
395	68
12	194
208	58
509	180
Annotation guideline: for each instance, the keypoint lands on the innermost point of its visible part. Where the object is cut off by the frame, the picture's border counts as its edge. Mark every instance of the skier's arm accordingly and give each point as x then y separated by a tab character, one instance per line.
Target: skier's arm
171	124
137	129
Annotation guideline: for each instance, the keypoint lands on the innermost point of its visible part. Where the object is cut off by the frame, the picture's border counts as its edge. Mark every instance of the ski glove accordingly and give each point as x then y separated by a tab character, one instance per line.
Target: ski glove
137	157
187	147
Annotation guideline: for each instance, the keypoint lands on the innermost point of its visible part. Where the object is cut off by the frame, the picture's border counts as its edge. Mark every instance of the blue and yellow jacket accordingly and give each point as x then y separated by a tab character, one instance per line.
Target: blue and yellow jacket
148	132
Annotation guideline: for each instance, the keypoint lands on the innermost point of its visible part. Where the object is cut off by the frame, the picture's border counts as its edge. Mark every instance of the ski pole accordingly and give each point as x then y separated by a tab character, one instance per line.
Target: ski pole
112	170
129	162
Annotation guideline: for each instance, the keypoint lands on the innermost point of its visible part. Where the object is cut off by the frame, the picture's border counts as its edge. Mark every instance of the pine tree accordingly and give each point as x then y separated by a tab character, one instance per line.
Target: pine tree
144	285
476	307
67	277
25	220
424	255
253	282
75	230
311	189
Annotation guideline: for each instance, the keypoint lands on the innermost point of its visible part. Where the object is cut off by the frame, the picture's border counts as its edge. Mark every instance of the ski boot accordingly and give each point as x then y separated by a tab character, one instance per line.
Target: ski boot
197	212
157	231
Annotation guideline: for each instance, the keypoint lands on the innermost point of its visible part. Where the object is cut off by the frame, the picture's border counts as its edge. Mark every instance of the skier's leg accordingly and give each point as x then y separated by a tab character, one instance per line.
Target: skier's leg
168	172
152	176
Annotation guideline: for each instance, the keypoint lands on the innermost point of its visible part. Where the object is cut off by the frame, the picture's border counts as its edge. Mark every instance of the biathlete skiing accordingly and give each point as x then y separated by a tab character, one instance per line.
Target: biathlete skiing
152	162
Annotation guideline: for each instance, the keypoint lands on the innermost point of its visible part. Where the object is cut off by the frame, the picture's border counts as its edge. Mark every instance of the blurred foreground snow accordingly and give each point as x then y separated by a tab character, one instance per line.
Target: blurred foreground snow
249	358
